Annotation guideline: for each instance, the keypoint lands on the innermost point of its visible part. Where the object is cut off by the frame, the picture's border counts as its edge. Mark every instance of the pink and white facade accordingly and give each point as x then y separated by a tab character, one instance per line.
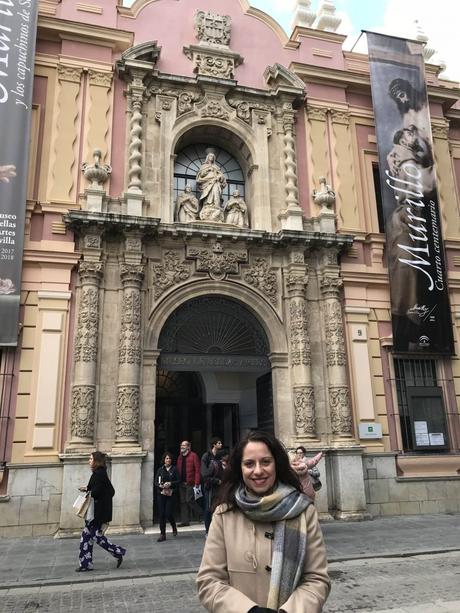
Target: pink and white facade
140	329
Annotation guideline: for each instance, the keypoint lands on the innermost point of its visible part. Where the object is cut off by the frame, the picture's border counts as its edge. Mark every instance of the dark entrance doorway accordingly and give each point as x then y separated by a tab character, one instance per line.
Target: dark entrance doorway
213	376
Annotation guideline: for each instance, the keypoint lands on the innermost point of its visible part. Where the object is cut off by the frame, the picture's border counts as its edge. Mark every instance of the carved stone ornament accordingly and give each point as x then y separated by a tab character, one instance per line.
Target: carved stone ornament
82	411
86	342
325	196
217	262
263	278
130	335
71	74
340	117
295	283
102	79
127	420
185	102
316	113
300	341
96	173
331	285
169	273
304	409
213	29
339	404
90	272
440	131
214	109
214	65
244	109
133	244
335	343
91	241
132	275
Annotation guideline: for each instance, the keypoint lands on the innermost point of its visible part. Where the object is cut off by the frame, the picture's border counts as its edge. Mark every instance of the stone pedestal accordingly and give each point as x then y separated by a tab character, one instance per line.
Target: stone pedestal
133	202
76	474
323	495
126	479
349	496
292	219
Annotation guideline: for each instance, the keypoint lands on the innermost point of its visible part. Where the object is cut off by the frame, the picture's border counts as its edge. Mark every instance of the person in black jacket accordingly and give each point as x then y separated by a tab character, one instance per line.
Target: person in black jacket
98	514
166	481
211	476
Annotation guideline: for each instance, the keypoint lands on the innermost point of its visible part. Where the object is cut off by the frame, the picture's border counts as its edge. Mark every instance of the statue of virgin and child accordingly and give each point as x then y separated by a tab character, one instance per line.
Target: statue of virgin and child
211	183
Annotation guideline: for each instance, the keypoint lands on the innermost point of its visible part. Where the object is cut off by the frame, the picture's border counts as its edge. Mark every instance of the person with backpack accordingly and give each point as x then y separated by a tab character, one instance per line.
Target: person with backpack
99	514
211	476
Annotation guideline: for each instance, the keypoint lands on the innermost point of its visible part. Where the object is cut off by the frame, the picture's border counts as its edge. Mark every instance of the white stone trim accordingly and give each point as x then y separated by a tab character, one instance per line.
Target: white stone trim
50	295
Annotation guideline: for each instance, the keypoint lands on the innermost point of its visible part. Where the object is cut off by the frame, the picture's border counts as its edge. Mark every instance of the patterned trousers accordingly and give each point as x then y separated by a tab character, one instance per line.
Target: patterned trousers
92	532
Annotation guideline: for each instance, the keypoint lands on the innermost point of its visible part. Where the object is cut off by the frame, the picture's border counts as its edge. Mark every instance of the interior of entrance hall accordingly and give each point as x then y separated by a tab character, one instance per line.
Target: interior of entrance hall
213	377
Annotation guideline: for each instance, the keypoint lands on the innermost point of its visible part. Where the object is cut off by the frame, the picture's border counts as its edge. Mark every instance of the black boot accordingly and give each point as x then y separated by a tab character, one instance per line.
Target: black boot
161	538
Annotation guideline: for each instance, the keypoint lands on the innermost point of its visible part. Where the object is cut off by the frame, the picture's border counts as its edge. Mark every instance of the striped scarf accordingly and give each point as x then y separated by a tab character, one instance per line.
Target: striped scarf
284	506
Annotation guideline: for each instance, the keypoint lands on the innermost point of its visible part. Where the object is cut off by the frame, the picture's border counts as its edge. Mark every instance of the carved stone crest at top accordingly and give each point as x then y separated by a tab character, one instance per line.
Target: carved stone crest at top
213	29
170	272
217	262
263	278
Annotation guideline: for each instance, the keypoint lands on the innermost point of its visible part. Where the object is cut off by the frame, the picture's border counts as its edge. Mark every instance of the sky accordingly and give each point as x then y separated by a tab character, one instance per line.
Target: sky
439	20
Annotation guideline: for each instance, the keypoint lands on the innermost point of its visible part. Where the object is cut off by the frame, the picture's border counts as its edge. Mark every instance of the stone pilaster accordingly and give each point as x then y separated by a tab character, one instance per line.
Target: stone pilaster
134	196
338	390
83	402
296	279
129	355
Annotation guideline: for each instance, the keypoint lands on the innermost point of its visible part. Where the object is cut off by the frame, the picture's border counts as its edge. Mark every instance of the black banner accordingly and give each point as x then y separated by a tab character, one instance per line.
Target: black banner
18	28
420	308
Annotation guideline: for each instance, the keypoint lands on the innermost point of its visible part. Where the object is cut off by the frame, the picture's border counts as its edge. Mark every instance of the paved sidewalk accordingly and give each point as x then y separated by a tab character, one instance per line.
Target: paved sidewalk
44	561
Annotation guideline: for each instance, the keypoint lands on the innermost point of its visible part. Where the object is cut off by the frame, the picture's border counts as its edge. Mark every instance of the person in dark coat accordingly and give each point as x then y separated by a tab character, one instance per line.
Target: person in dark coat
166	481
99	514
211	475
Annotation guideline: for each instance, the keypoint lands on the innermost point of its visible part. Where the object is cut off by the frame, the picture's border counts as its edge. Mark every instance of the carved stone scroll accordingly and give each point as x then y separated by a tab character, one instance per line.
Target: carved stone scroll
173	270
262	277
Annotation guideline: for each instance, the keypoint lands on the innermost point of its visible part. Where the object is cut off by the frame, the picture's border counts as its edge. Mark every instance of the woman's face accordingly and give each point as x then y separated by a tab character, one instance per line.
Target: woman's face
258	468
299	454
91	462
168	460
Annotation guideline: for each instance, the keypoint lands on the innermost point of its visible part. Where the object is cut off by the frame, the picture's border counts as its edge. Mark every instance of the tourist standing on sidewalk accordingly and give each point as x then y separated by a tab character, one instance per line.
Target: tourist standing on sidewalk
301	464
188	467
99	514
211	476
166	482
265	550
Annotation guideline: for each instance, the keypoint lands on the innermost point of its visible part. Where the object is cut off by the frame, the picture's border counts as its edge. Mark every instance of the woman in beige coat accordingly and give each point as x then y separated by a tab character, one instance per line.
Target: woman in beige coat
265	550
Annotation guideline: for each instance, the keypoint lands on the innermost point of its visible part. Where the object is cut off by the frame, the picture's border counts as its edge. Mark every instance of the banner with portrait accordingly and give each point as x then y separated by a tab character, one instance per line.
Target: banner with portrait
420	309
18	31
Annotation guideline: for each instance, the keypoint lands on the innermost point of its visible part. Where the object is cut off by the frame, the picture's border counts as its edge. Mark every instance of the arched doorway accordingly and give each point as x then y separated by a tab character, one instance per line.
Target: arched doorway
213	375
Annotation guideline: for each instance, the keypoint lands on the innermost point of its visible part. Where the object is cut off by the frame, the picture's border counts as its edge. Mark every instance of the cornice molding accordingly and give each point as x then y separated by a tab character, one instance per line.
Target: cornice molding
63	29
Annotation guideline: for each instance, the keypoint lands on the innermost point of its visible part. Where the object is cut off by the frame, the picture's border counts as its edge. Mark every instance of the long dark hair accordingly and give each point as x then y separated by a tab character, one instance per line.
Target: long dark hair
233	476
99	459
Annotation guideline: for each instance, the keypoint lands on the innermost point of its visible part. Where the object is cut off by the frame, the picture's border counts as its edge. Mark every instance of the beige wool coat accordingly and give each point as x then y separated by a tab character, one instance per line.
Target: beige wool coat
234	575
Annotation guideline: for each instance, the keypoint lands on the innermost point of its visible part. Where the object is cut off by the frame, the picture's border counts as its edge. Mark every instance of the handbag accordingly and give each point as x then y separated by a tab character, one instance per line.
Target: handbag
197	492
81	504
314	475
166	491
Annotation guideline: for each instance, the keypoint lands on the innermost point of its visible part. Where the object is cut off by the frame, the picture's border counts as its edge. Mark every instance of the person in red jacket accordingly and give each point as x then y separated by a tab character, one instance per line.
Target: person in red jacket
188	467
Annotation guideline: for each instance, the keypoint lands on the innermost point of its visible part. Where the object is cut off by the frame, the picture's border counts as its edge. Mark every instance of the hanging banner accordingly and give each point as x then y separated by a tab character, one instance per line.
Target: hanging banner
18	30
420	307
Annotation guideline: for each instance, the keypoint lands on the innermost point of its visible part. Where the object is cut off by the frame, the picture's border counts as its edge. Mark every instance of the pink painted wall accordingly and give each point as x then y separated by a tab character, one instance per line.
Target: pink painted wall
171	24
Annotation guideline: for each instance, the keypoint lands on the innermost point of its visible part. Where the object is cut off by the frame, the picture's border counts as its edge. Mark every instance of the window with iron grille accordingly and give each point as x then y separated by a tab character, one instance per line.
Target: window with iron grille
421	406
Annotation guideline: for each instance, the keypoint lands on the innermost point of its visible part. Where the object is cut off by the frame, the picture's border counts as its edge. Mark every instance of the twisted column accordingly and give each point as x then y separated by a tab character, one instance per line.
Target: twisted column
338	390
83	402
290	165
129	357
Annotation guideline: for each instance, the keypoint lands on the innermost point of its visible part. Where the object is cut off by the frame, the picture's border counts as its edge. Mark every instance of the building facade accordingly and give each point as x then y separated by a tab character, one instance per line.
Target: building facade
204	254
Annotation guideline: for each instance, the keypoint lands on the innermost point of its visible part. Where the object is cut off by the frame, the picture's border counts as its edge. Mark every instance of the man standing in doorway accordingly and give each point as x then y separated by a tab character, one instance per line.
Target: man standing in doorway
188	467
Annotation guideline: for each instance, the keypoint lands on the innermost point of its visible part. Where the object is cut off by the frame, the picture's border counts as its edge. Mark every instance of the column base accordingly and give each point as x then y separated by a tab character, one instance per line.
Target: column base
292	219
137	529
352	515
325	518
